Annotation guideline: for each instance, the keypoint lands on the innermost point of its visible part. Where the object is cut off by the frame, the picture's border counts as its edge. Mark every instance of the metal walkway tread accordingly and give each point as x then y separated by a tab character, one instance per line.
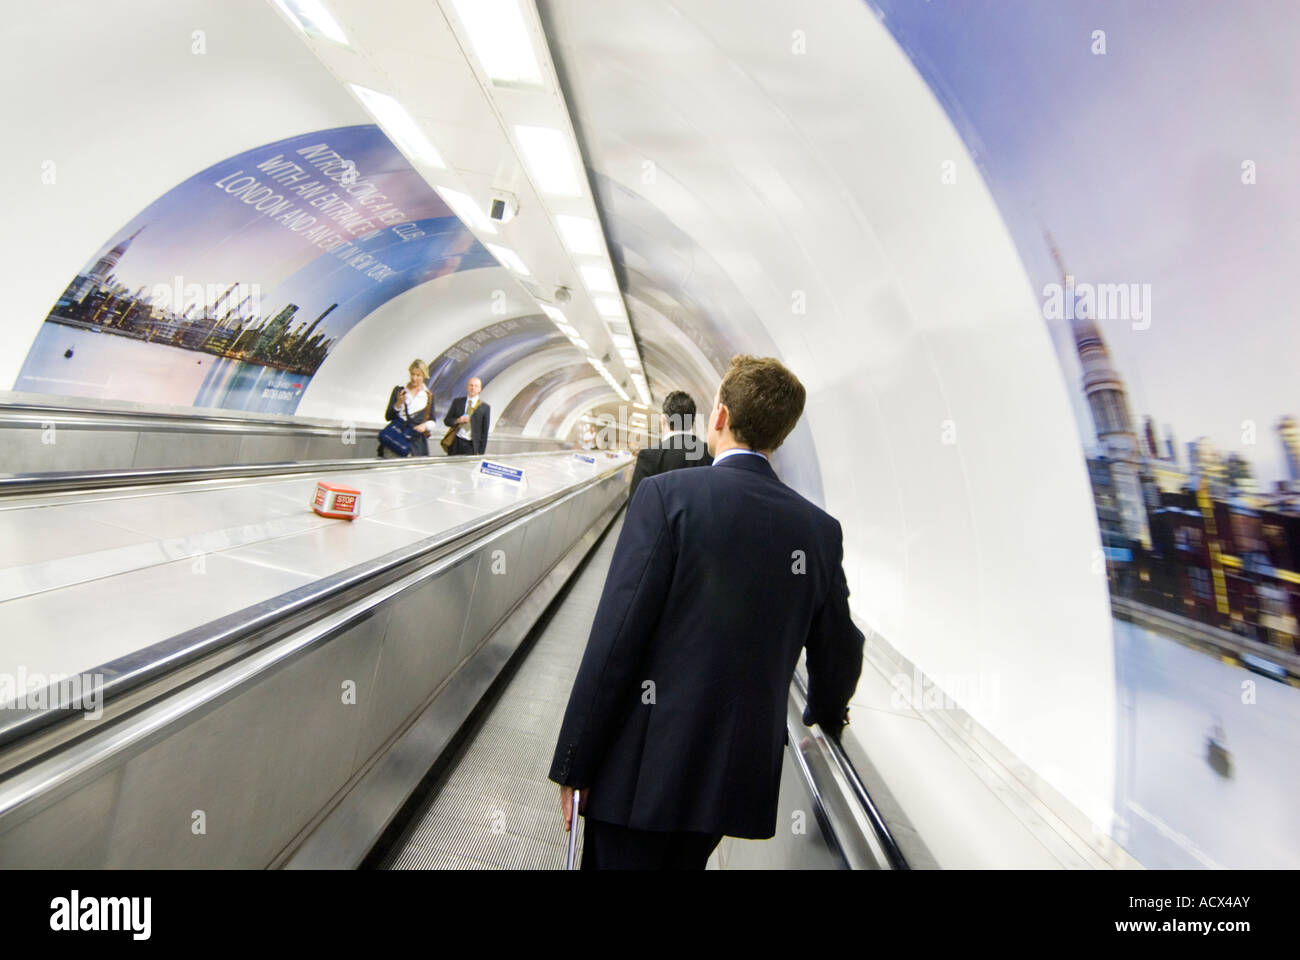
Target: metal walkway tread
496	809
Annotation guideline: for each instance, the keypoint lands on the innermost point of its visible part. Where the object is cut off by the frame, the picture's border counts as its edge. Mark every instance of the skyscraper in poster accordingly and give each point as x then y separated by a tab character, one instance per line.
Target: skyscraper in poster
1121	451
1289	433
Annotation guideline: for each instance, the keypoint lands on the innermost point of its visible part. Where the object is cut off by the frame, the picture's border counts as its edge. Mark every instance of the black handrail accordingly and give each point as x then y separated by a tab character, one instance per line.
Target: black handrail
850	773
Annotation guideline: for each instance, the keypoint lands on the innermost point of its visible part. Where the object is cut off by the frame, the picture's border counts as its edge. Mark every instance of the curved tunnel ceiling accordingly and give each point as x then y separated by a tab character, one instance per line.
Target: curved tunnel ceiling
769	180
772	197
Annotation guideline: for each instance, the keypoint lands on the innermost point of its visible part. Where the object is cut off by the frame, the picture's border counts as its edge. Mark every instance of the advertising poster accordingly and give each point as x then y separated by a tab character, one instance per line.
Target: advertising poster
526	403
1141	158
485	353
231	289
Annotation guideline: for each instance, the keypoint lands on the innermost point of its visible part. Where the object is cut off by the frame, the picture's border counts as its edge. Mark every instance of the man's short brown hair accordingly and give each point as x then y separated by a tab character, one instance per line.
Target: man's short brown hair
764	401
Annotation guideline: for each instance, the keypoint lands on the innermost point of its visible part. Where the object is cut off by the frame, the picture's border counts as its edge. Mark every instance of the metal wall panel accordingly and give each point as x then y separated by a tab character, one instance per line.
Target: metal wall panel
333	448
500	582
73	832
24	450
172	449
557	542
261	448
535	558
259	766
421	647
119	445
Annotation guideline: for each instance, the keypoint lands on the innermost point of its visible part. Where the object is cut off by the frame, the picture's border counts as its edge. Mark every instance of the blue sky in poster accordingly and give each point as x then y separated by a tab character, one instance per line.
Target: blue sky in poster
1133	161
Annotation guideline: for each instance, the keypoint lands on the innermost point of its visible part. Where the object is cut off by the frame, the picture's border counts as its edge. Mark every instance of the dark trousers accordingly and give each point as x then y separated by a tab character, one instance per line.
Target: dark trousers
461	447
608	846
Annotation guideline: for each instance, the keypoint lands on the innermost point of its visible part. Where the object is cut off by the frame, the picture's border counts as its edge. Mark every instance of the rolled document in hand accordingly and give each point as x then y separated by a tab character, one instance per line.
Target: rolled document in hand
573	833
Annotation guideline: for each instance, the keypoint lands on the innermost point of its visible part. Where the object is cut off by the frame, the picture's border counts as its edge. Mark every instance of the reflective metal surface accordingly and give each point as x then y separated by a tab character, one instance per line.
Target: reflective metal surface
348	833
239	765
38	437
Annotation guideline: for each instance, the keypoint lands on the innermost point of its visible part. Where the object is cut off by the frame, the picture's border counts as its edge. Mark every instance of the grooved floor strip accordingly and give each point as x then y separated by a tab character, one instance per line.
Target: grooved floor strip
497	810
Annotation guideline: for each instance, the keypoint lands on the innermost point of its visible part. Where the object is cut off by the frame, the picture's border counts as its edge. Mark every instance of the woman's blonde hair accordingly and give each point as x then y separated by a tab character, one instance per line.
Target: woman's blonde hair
421	366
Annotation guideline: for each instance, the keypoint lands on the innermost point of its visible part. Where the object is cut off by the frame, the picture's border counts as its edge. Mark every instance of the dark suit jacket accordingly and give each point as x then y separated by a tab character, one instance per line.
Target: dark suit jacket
394	408
478	422
679	450
677	720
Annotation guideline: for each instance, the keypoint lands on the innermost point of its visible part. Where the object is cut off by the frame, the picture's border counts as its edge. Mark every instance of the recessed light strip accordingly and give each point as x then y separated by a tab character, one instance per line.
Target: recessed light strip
549	160
311	17
399	125
499	37
508	258
463	205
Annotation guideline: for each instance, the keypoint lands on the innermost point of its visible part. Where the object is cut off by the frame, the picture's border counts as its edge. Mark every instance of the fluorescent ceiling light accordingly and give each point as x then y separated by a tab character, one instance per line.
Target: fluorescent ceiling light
622	342
580	235
470	213
546	153
598	279
580	343
313	19
568	331
399	125
628	354
508	257
608	306
555	313
499	36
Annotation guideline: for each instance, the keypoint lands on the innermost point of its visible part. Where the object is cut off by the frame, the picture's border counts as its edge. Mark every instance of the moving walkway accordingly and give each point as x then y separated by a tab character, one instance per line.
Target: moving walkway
275	688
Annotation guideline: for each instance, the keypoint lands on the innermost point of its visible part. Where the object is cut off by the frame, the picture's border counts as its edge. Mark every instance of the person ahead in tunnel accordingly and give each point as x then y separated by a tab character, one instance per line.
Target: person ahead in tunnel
472	416
414	404
675	729
678	445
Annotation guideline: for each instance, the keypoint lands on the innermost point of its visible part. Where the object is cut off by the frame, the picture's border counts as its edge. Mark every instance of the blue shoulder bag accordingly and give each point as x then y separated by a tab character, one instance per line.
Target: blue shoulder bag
399	433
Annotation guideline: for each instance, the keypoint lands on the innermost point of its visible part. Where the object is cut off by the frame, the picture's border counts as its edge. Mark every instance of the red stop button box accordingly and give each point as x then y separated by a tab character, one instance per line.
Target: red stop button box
343	503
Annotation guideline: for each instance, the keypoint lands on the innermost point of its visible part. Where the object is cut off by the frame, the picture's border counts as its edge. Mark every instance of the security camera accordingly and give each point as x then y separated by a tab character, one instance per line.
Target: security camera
503	206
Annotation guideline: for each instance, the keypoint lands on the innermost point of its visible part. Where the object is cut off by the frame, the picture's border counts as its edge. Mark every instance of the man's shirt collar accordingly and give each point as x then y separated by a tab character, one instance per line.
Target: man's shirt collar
726	453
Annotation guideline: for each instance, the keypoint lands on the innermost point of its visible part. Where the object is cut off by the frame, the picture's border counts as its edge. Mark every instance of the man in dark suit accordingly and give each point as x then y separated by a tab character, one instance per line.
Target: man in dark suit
472	415
678	445
675	730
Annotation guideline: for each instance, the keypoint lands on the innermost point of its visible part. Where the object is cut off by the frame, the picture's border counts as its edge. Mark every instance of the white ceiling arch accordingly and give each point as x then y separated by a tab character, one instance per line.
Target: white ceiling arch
797	150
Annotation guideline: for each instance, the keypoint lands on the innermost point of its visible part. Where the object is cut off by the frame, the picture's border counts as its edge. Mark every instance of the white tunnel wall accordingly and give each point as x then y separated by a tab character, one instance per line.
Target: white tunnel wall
759	199
113	139
115	97
942	426
418	324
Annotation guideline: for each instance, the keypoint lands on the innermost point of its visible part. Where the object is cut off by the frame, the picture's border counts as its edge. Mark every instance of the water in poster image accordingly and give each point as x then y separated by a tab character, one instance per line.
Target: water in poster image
1178	808
67	361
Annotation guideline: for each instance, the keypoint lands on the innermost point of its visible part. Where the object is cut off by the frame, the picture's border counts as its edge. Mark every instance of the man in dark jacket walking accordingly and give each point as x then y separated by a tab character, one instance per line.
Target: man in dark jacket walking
678	445
675	729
